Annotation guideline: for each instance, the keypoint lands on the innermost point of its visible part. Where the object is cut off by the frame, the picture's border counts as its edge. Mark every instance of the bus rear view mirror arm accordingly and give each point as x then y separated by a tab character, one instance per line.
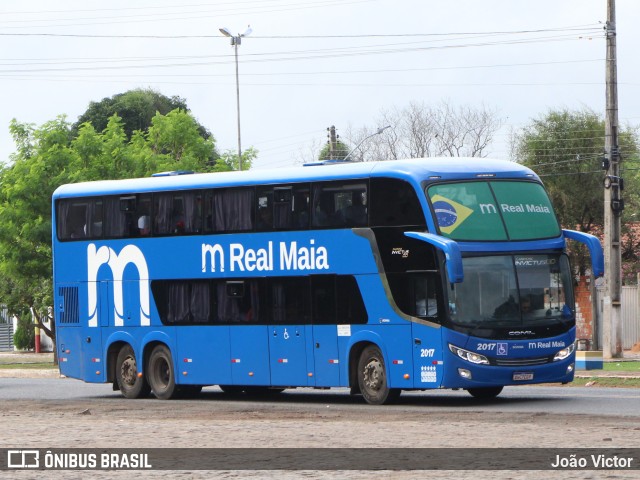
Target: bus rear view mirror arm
451	252
594	246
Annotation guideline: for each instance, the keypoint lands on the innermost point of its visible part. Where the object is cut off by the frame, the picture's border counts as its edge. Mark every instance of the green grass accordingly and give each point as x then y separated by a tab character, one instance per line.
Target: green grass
606	382
34	366
622	366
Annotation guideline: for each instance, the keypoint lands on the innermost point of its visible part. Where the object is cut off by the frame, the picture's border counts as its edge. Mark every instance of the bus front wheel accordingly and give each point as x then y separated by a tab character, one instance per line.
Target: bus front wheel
372	378
160	373
485	393
131	384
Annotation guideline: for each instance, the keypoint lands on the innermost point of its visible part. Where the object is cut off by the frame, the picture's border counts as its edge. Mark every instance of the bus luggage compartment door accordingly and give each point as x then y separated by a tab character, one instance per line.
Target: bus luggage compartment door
288	355
78	337
249	354
203	355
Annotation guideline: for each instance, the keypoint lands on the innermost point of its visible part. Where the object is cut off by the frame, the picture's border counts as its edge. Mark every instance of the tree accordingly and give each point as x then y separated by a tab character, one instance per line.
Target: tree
340	151
39	167
228	161
420	130
564	147
136	108
54	154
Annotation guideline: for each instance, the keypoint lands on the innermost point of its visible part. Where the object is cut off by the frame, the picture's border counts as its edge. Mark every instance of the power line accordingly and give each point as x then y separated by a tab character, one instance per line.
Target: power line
585	29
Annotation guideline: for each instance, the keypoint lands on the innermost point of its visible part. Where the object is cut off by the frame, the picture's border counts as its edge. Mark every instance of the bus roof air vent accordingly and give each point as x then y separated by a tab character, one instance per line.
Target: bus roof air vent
327	162
173	173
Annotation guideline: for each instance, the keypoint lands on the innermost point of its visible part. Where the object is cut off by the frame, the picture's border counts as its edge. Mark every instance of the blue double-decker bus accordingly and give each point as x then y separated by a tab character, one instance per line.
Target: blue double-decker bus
379	277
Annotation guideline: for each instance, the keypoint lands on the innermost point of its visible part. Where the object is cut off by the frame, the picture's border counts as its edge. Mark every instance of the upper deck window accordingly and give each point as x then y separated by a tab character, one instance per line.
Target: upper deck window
339	205
493	211
394	203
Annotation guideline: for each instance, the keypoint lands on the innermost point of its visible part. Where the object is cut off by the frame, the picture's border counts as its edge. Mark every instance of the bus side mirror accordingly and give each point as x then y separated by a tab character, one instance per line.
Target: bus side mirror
594	246
451	252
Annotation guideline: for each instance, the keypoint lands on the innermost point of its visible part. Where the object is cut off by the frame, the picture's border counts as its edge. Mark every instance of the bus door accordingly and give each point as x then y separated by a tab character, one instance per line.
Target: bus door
288	304
427	356
288	355
325	331
239	305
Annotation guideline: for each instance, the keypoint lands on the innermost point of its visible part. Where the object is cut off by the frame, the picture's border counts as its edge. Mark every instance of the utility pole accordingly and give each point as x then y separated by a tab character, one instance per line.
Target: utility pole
613	202
235	41
333	142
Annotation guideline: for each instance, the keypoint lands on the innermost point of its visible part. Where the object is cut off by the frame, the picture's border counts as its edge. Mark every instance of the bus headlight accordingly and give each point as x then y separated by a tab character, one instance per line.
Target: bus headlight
471	357
565	352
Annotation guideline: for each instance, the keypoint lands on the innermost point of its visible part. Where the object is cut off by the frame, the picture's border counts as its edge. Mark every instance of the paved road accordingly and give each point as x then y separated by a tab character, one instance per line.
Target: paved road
534	399
63	413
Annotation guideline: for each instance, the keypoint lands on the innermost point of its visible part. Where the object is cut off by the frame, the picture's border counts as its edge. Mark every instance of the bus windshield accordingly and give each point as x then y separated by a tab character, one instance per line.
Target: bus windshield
512	292
493	211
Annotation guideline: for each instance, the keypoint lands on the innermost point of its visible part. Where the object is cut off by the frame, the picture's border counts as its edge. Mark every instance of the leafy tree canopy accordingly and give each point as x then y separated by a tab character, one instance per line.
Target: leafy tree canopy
54	154
340	151
564	148
136	108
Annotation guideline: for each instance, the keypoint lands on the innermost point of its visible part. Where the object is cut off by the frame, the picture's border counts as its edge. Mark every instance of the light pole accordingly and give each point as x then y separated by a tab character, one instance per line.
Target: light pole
235	41
377	132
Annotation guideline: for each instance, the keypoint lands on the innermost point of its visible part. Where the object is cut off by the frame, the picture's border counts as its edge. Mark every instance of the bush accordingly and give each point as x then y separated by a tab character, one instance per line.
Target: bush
24	338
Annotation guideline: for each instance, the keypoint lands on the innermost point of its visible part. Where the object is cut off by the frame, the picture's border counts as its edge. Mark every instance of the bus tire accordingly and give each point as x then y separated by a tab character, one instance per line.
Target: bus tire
129	382
485	393
372	378
160	373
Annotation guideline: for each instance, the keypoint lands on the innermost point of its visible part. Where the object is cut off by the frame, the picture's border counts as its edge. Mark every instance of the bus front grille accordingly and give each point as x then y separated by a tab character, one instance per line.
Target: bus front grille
520	362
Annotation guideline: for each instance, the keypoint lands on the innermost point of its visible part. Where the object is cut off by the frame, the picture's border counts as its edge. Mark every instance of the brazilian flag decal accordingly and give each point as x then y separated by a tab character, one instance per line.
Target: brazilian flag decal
449	214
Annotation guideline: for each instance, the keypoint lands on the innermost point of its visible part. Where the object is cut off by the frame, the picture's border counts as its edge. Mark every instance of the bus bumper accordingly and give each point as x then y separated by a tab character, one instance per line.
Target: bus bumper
461	374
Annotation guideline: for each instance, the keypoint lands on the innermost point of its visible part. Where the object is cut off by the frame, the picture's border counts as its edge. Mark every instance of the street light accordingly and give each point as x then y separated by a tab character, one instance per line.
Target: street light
377	132
235	41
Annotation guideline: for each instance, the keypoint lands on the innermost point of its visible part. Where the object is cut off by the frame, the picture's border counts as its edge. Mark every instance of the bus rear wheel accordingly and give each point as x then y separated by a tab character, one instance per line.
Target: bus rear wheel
130	383
160	373
485	393
372	378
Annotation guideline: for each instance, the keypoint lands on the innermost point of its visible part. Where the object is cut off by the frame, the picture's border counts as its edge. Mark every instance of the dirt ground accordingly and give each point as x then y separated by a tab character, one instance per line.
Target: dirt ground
114	423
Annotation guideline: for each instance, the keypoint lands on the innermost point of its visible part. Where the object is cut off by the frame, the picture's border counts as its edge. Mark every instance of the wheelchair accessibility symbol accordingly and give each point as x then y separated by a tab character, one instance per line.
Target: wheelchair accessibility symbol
286	334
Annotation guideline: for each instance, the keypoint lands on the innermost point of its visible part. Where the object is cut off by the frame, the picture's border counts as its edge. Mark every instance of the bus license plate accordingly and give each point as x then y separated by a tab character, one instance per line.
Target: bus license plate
522	376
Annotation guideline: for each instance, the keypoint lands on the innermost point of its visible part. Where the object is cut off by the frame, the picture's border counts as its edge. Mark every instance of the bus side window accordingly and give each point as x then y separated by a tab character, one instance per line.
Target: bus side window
282	208
394	202
339	205
183	301
93	219
264	207
323	299
72	219
336	299
350	304
289	300
238	301
301	207
116	217
415	294
233	210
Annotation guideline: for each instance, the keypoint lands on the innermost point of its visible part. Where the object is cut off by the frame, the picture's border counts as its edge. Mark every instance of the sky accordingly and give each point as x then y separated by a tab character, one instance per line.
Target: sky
310	64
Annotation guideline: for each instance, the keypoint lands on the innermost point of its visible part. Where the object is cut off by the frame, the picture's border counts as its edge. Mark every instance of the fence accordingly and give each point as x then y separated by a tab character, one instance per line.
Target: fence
630	309
6	330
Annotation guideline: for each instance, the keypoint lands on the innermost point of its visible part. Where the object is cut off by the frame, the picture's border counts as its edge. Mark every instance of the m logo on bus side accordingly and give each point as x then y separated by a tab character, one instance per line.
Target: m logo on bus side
130	254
